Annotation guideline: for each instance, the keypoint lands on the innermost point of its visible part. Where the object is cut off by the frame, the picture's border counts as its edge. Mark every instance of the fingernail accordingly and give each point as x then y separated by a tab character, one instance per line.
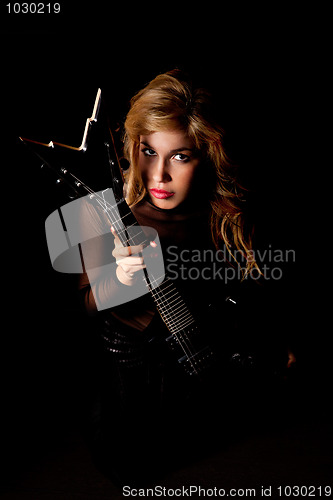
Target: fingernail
153	244
112	229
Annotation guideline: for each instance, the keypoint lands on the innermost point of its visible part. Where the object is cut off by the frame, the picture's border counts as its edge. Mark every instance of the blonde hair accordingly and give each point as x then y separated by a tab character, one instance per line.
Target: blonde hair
170	102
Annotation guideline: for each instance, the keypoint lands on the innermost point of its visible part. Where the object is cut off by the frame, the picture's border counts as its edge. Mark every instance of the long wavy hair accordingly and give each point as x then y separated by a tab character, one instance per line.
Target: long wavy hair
171	102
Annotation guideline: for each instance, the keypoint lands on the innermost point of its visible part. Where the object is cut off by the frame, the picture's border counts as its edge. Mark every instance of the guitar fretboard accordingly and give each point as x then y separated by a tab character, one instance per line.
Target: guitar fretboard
171	305
185	336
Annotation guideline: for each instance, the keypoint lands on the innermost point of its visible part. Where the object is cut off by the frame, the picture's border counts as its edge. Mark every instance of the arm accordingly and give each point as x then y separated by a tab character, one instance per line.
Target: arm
112	276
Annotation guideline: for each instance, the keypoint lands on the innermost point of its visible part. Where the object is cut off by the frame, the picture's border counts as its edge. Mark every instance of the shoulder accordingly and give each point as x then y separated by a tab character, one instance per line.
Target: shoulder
92	217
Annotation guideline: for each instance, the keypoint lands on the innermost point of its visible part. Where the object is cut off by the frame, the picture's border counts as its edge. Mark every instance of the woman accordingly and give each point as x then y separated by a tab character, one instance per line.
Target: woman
181	184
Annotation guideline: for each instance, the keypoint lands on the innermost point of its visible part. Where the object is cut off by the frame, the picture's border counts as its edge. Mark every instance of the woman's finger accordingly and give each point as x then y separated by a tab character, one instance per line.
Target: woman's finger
131	269
129	261
124	251
127	251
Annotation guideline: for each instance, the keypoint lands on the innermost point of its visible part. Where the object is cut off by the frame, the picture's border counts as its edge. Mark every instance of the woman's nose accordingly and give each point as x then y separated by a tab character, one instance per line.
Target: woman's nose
161	173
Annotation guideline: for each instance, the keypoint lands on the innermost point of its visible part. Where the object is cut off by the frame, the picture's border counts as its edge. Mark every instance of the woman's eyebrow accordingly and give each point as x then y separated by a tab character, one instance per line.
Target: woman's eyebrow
146	144
178	150
173	151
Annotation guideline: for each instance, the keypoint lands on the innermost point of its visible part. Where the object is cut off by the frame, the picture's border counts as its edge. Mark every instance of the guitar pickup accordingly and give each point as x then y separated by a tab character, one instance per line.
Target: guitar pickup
172	341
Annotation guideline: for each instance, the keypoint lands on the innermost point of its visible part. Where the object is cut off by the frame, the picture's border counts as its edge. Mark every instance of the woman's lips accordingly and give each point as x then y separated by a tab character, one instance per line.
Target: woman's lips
161	194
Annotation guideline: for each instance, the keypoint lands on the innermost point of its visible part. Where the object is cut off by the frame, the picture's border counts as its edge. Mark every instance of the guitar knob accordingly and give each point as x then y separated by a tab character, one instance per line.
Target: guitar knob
236	358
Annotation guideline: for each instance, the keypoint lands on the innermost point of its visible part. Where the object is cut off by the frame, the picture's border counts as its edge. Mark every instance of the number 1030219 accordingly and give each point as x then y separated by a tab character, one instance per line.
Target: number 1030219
304	491
33	8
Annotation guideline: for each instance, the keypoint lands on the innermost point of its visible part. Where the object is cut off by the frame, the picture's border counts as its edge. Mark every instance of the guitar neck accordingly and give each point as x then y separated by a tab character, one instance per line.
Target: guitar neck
186	340
171	306
168	300
126	226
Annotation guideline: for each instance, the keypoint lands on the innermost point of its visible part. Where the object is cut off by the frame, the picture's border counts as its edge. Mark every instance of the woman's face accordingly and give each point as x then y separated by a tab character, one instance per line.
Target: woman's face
168	162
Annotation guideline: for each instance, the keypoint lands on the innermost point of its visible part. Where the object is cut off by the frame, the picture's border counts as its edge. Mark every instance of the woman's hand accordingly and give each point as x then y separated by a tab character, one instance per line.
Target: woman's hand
128	261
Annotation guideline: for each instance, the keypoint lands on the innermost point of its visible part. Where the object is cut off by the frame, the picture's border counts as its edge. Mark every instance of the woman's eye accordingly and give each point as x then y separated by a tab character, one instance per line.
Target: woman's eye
148	152
181	157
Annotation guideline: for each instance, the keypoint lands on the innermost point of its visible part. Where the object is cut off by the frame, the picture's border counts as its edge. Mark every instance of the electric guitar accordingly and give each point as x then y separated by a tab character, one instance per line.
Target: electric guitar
184	337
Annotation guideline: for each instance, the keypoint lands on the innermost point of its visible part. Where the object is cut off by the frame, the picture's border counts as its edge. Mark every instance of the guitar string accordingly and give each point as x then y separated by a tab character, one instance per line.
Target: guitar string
157	296
184	319
179	301
164	305
162	302
109	211
183	343
182	323
175	326
168	317
168	314
116	222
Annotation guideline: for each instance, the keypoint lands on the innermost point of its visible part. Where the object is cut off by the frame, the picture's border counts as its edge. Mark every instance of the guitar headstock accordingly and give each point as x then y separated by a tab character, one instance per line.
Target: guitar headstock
89	122
91	161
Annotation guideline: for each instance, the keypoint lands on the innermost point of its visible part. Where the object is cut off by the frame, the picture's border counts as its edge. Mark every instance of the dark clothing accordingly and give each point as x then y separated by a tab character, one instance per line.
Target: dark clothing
148	413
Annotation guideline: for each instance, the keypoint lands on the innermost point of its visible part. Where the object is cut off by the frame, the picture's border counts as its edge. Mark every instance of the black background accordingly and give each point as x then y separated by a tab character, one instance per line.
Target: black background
257	63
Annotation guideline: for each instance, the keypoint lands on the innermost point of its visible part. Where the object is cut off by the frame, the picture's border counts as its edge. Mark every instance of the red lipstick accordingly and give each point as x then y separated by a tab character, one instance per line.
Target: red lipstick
161	194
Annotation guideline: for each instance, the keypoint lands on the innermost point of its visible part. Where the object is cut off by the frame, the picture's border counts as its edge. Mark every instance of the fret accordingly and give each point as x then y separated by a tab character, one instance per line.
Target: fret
178	312
180	326
124	231
175	309
166	309
177	326
179	323
175	318
170	302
